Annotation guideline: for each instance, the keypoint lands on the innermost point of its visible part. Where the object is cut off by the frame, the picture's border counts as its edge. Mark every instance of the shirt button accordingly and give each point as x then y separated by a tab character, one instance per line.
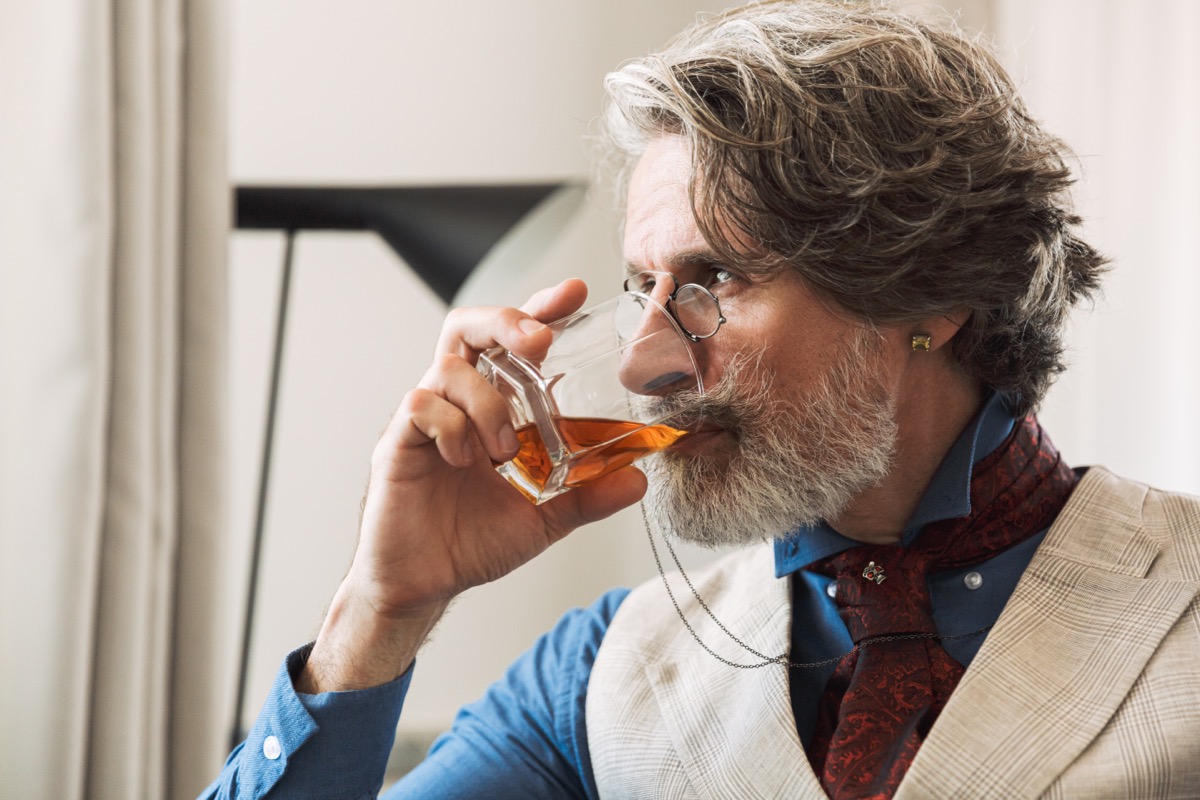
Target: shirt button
831	589
271	748
973	580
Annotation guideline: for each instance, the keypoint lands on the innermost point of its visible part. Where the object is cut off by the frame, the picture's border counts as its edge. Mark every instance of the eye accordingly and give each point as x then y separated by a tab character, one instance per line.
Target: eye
641	282
720	276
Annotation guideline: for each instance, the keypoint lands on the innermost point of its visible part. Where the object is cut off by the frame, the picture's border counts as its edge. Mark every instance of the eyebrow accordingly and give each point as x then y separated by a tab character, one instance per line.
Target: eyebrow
688	258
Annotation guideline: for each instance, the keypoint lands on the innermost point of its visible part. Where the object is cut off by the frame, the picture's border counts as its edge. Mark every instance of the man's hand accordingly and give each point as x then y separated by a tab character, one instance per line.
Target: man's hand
437	518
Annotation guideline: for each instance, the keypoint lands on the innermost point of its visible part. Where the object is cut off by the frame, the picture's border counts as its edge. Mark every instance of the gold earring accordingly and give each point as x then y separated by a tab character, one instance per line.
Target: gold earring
921	341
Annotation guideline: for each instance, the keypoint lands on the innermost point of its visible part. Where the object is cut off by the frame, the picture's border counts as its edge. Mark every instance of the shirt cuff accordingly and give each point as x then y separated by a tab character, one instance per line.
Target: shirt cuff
330	745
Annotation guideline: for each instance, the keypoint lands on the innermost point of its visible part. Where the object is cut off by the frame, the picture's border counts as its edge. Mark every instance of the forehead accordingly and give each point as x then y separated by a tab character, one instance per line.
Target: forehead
660	229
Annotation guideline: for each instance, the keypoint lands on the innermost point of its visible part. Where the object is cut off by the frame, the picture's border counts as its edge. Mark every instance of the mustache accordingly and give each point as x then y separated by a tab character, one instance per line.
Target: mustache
727	403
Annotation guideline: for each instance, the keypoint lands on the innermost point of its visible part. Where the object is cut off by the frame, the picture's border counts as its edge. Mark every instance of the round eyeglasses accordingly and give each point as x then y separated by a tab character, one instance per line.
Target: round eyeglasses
694	308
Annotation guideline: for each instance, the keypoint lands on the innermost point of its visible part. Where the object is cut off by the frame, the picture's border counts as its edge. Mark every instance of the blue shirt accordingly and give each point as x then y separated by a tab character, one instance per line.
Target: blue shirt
527	737
960	607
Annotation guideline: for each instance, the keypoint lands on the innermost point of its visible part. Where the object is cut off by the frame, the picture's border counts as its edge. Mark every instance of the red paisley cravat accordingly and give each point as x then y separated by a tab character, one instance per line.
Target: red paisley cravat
884	696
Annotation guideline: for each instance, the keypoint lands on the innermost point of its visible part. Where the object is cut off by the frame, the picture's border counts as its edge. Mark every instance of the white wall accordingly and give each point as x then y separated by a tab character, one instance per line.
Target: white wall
1120	81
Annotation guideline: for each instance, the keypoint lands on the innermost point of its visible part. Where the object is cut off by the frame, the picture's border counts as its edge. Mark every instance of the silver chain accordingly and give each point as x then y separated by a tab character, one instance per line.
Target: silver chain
767	661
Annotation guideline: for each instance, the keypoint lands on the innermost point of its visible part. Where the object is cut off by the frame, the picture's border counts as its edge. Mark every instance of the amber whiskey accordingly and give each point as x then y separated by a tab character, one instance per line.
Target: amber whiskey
596	448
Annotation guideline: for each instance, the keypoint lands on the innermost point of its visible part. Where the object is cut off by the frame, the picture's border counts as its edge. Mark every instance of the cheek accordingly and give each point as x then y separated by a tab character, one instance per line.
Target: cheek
731	343
710	363
714	355
773	339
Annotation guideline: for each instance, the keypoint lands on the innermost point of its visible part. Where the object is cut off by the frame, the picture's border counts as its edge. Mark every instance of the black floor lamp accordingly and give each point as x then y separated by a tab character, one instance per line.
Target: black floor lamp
441	232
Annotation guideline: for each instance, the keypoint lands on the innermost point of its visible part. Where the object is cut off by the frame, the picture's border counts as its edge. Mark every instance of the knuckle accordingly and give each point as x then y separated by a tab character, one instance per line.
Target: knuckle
443	366
383	454
450	363
456	318
511	316
417	401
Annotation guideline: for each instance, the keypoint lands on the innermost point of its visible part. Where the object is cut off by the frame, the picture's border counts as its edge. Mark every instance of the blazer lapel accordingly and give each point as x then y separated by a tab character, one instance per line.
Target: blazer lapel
1074	637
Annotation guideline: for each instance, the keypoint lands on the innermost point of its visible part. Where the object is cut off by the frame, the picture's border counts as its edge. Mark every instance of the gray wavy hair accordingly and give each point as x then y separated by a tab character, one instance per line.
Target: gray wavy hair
887	159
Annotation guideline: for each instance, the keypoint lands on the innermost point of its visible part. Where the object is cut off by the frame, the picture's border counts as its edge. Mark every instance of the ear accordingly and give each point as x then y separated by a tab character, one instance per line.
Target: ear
939	330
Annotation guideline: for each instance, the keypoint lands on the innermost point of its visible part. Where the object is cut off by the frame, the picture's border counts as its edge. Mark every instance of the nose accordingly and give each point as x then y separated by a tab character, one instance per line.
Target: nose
656	358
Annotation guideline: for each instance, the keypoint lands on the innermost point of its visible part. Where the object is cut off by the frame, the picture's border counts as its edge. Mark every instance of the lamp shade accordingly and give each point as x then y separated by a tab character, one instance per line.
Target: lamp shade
441	232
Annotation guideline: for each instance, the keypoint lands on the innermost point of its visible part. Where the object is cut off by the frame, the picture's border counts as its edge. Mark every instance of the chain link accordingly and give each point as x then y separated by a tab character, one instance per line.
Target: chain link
781	660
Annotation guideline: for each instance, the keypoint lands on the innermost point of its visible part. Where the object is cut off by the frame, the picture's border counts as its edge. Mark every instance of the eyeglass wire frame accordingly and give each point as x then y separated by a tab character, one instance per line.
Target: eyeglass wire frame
671	302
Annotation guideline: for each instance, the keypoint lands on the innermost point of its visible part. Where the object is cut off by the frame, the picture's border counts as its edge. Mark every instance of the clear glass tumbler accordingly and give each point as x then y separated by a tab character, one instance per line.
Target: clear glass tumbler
593	404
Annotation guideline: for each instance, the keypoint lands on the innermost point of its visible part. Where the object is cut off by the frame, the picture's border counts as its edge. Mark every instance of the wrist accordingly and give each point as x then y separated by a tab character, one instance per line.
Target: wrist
359	648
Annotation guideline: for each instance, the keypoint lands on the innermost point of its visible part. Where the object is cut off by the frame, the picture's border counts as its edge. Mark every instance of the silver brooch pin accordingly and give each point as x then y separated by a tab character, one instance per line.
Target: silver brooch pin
874	572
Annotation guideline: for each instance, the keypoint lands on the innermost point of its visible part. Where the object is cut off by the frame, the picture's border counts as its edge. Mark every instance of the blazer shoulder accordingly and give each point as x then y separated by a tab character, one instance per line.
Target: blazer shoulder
1174	519
1168	520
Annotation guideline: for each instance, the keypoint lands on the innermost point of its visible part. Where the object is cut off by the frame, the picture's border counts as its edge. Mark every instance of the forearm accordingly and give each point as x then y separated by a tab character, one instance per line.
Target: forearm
358	647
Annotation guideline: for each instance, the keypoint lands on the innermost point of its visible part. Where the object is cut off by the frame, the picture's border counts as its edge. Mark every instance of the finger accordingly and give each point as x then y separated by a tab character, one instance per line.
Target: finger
460	384
469	331
425	416
557	301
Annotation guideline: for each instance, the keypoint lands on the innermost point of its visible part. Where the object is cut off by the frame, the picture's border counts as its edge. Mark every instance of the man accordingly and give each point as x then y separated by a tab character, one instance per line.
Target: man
930	603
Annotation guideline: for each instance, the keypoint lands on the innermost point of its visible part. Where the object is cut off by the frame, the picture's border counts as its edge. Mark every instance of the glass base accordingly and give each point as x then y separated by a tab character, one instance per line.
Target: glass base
537	494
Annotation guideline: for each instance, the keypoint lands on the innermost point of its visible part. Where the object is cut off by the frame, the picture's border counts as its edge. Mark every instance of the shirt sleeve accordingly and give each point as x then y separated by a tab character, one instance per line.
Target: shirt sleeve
526	738
333	745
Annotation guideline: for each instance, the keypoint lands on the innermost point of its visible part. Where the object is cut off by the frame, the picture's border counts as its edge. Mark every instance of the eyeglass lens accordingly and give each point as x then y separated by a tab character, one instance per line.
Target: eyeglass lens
696	310
694	307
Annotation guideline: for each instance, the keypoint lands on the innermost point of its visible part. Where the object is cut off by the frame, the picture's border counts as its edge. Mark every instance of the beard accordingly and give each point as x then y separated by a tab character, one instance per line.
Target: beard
792	462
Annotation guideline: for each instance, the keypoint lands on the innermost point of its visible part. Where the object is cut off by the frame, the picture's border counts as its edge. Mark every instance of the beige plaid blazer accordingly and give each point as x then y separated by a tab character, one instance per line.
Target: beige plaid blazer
1087	687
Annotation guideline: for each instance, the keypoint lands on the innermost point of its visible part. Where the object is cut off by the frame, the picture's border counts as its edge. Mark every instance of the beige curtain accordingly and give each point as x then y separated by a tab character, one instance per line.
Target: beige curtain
113	217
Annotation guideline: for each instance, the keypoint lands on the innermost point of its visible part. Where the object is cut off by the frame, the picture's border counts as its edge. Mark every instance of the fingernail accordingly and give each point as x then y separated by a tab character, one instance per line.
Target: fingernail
530	326
468	450
508	439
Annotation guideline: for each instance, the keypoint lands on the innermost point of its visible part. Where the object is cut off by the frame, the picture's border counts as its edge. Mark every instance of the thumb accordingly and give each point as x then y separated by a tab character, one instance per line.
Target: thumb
597	499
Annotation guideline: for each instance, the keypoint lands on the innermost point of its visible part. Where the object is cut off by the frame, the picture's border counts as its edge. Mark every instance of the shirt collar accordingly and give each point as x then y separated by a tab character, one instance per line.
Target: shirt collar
948	495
